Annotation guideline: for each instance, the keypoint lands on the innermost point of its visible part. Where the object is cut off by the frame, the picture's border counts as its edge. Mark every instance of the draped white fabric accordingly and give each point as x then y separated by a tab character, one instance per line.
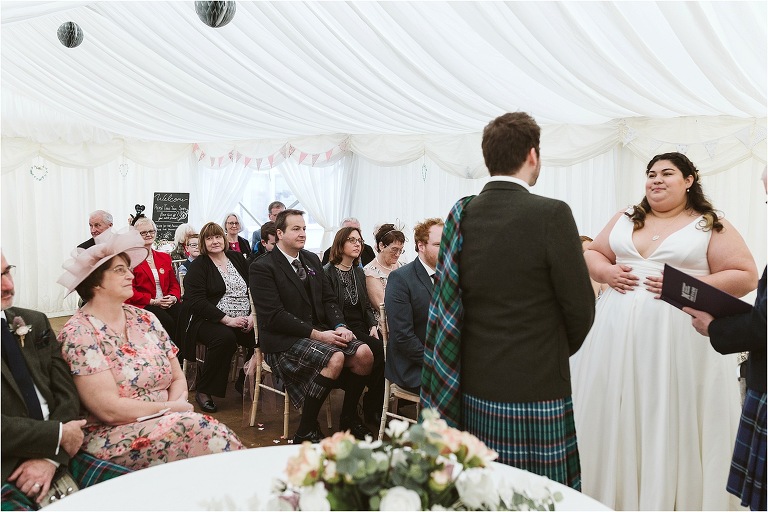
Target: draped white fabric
153	71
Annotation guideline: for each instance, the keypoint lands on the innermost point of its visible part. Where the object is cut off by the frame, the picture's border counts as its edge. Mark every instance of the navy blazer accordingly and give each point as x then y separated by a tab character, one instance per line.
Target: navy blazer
739	333
409	291
285	311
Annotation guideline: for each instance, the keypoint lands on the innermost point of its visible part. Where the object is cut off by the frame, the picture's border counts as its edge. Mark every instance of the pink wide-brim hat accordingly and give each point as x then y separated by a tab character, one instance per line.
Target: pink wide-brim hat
108	245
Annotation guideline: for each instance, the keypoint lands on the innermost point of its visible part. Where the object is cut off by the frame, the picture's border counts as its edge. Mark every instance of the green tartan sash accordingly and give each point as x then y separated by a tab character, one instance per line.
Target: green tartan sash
440	377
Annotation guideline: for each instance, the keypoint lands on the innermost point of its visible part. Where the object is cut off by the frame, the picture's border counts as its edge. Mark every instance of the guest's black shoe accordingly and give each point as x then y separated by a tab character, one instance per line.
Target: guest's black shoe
205	405
240	381
313	436
372	416
355	427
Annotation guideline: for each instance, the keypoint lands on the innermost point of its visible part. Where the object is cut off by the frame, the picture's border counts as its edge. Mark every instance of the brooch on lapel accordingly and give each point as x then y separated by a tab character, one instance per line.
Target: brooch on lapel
20	329
310	271
161	270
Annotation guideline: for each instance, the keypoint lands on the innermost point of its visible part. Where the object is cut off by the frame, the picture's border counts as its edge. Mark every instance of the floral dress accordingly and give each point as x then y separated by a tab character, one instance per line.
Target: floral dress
141	368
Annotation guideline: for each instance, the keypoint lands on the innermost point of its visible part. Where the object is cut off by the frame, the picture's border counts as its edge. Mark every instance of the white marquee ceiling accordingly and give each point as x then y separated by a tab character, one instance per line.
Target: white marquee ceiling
153	71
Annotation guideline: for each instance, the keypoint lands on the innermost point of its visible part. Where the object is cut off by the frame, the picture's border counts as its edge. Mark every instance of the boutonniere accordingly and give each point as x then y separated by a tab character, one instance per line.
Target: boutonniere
311	271
20	329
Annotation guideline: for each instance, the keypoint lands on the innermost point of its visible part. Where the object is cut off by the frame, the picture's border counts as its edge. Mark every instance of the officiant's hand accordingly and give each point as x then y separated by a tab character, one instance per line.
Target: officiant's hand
700	320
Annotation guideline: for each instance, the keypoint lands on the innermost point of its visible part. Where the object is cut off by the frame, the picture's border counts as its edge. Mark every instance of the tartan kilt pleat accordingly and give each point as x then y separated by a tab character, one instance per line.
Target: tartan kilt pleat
747	476
539	437
85	469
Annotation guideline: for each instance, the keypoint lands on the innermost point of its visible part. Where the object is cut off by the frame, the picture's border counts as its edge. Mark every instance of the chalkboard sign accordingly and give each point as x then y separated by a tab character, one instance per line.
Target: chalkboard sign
169	210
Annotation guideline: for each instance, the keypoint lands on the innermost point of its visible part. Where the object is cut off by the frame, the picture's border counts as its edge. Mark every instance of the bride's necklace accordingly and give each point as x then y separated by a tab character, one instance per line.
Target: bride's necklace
346	267
668	225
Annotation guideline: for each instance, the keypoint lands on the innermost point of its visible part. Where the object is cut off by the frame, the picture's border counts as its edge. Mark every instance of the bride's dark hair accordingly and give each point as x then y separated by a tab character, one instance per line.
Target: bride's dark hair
695	198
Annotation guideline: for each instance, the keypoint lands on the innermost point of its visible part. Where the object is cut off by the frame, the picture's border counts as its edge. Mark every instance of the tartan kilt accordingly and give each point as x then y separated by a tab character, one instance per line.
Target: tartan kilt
85	469
539	437
747	477
298	366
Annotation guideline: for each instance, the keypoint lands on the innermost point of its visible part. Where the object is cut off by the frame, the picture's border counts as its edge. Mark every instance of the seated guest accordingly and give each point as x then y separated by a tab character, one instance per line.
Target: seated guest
125	367
216	312
234	241
192	248
389	245
367	254
180	237
273	209
98	222
268	237
348	282
302	331
41	432
409	291
598	288
155	287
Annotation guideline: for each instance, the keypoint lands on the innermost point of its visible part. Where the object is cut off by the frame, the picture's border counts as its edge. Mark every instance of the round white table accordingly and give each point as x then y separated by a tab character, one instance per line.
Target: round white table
239	480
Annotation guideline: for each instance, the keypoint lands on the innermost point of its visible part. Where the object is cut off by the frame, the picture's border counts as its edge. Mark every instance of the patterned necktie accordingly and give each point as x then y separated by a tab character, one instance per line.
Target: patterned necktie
15	360
299	270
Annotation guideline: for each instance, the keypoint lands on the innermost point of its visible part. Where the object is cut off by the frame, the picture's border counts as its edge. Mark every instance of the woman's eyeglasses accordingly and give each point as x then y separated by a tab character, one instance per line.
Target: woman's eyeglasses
354	240
193	246
121	270
149	232
235	223
396	251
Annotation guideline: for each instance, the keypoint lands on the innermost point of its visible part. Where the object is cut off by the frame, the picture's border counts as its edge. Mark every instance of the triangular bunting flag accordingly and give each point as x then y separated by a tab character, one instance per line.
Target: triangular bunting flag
213	161
328	154
315	157
629	136
682	148
231	155
271	160
202	155
246	161
302	156
195	147
711	148
221	160
258	163
654	145
743	136
238	156
759	136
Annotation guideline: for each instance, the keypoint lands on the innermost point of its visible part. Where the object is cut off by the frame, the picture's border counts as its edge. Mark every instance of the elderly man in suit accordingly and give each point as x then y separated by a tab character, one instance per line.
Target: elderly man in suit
409	290
514	301
41	432
302	331
98	222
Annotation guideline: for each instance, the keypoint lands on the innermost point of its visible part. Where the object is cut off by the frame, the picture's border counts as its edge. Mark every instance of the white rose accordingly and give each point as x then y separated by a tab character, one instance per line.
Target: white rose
396	428
400	498
477	488
217	444
314	498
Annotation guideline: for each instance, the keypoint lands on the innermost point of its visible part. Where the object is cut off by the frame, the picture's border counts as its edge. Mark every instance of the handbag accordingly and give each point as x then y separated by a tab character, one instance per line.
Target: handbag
62	485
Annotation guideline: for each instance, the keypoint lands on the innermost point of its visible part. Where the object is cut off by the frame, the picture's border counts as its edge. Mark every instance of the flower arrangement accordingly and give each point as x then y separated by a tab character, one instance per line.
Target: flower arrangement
428	466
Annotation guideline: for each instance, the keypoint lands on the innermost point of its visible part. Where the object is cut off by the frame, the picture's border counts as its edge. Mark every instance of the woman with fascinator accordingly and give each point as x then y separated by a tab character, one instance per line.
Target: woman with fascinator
125	367
656	408
389	247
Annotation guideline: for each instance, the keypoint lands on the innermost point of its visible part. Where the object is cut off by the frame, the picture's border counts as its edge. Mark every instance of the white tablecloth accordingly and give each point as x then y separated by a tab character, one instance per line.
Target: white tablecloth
238	480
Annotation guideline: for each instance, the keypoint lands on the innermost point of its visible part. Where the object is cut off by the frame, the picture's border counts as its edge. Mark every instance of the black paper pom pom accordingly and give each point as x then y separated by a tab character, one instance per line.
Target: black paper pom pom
70	34
215	14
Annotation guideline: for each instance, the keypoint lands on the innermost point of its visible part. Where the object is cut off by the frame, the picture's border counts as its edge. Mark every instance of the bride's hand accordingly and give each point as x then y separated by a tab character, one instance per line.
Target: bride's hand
653	285
620	279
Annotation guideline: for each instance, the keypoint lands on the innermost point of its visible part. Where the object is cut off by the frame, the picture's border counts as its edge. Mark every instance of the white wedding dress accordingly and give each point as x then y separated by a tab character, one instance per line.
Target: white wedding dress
656	408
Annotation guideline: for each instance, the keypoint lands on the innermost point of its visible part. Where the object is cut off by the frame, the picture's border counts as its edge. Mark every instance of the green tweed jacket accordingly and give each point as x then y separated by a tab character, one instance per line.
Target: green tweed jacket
27	438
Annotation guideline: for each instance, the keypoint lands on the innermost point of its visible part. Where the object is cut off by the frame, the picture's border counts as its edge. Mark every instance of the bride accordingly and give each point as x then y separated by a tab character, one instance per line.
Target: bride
656	408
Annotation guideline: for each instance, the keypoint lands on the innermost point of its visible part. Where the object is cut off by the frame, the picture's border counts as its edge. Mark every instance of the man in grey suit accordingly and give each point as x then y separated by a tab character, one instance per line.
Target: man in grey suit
527	306
409	290
40	408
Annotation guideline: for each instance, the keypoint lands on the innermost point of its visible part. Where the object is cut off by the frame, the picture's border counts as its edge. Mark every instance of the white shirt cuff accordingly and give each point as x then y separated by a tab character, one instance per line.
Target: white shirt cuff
58	444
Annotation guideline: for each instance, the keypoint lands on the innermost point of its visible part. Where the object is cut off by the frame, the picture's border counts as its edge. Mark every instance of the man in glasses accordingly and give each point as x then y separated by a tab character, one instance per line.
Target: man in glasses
366	256
409	290
41	432
193	249
98	222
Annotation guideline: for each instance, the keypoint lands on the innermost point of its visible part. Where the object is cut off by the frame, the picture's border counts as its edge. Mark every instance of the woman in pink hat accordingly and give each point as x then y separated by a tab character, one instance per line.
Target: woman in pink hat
125	366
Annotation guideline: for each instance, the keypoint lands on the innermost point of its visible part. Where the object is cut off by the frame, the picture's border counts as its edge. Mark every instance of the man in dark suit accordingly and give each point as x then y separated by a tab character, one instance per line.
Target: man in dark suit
98	222
409	290
527	306
302	331
367	254
40	408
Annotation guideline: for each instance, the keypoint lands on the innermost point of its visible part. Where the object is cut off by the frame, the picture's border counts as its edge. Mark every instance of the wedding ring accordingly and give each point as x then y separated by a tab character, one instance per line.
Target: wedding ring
37	485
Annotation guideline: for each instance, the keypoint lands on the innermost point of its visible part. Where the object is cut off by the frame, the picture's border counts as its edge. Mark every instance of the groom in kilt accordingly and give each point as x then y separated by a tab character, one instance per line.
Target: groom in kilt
512	302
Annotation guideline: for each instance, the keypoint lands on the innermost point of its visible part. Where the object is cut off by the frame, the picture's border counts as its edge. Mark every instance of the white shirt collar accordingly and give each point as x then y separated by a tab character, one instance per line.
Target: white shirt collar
511	179
430	270
287	256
